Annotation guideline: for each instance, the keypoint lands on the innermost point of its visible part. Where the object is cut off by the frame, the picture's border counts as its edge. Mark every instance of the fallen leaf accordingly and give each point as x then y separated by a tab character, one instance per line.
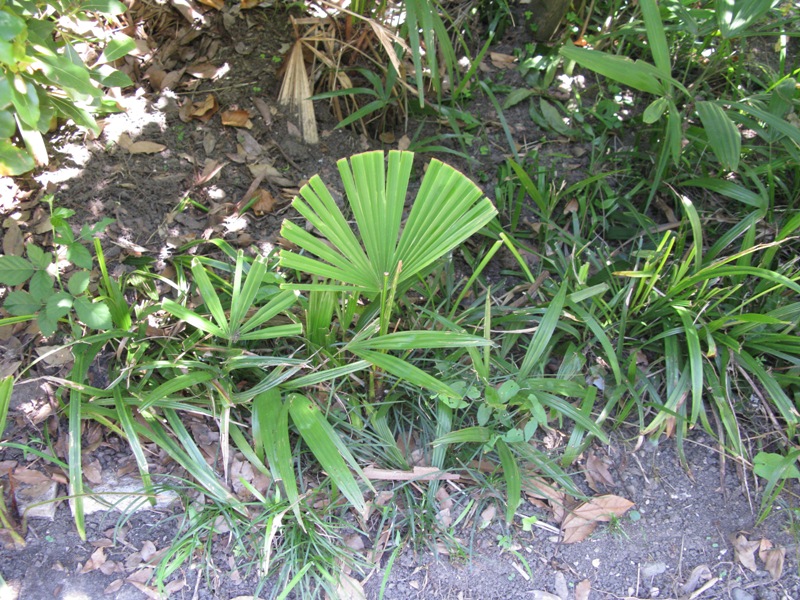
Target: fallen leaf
355	542
571	207
487	516
582	590
744	551
264	203
13	244
236	118
387	137
417	474
174	586
404	143
95	561
597	473
773	562
699	573
580	522
148	550
140	147
247	4
215	4
93	472
55	356
202	111
502	61
29	476
206	70
114	586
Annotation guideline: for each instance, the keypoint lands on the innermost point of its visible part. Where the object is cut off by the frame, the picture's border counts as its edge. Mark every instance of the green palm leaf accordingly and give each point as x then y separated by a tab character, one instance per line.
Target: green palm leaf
447	210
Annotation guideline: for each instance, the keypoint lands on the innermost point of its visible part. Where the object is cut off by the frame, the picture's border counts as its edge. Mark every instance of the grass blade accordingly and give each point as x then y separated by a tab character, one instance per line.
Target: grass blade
328	448
544	333
513	478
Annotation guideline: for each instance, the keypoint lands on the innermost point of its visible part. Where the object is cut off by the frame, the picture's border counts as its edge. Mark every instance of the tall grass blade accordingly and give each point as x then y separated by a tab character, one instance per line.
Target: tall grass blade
328	448
513	479
723	135
544	333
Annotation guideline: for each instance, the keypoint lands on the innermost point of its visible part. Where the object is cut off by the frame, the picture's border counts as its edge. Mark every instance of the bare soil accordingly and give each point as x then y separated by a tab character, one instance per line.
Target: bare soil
678	542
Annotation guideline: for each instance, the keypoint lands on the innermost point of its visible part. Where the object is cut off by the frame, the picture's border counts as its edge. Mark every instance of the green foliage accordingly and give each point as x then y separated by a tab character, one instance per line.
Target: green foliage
48	298
43	78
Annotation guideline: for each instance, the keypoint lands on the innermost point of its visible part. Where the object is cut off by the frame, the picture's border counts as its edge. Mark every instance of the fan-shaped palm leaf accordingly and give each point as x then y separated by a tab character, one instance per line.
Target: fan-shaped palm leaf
447	210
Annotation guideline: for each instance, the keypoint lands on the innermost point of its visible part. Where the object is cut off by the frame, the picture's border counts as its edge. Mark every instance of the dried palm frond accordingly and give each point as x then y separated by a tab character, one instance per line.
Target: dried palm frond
296	93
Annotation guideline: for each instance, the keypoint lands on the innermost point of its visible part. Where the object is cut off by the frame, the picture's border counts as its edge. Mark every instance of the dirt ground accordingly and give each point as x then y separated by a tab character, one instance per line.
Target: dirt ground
691	532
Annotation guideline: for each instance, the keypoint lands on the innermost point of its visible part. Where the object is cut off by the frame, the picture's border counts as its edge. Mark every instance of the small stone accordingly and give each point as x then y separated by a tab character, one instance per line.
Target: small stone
653	569
561	586
740	594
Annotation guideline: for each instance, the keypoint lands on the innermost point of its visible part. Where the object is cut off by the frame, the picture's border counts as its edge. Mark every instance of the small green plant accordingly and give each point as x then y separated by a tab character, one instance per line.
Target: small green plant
48	297
43	78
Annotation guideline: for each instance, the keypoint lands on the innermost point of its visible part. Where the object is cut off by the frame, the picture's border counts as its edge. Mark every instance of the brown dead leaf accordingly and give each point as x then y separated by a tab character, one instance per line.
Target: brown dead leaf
354	541
139	147
114	586
29	476
202	111
487	516
13	244
95	561
744	551
502	61
773	562
580	522
215	4
206	70
148	550
597	473
247	4
404	143
264	203
387	137
582	590
55	356
571	207
237	118
350	588
417	474
93	471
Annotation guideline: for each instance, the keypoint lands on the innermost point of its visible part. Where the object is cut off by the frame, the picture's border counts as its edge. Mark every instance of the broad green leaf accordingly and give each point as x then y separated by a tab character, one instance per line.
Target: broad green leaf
93	314
8	125
729	189
175	385
117	47
78	282
553	117
778	124
110	77
271	432
511	474
108	7
41	286
621	69
191	317
766	464
210	296
411	340
22	303
695	359
5	92
722	133
25	99
327	448
70	77
734	17
654	110
10	26
47	324
275	306
79	256
674	138
58	305
14	270
544	332
516	96
656	37
6	387
479	435
80	115
406	371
